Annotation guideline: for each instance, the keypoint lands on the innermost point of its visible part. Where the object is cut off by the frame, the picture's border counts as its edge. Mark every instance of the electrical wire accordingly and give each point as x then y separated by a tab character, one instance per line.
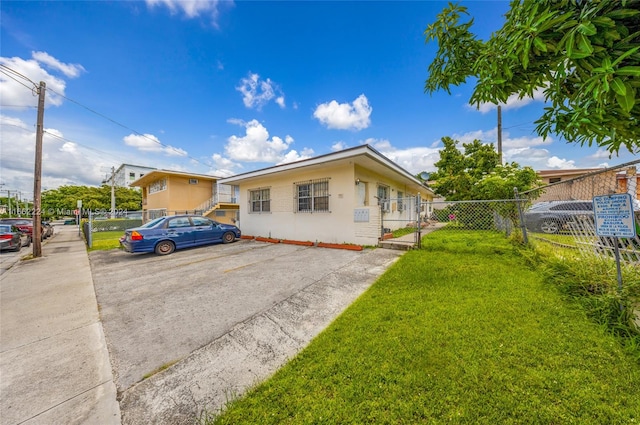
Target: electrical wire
179	151
55	136
15	79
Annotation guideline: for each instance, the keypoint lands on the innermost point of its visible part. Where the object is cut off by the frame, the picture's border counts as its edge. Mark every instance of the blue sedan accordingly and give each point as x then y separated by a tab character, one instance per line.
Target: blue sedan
166	234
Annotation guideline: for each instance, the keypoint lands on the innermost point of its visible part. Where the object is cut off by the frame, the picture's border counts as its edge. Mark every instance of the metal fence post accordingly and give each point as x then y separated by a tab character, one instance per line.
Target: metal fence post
523	227
418	221
90	230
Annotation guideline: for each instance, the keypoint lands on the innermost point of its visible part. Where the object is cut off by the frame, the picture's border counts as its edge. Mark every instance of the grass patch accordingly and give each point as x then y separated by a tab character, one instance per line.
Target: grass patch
403	231
463	331
159	369
103	241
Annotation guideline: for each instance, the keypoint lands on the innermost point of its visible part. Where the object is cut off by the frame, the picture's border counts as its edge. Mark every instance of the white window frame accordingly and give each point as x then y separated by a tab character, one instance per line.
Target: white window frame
260	197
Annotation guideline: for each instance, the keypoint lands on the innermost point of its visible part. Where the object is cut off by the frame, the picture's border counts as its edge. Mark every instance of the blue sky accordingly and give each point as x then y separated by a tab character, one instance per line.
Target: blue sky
223	88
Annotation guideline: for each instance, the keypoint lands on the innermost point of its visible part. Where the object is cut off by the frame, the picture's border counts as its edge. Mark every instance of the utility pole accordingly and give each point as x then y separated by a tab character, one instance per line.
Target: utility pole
500	133
37	175
113	192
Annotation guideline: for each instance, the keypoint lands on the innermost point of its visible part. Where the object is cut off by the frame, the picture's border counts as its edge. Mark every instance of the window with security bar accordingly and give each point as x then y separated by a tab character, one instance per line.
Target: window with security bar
260	200
312	196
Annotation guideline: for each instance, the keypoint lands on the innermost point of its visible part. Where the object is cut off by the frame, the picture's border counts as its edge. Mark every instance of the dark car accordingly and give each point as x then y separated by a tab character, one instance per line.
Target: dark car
166	234
556	216
24	224
12	238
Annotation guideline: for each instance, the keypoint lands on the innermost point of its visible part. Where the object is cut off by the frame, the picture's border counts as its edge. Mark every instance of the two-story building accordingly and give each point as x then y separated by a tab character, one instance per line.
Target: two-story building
166	192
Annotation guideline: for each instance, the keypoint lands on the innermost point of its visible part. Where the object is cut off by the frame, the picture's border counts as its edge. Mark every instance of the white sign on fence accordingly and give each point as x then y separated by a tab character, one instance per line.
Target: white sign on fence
614	215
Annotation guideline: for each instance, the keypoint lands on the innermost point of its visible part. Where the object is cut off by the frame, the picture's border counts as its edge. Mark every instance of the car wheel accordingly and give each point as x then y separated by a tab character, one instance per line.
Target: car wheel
165	248
550	226
228	237
28	242
17	248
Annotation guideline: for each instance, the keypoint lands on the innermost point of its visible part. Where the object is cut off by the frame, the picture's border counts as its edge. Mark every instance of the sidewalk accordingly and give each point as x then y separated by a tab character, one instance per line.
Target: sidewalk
54	363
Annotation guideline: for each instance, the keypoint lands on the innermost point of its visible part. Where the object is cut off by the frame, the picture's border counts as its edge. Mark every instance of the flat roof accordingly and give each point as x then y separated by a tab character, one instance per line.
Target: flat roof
156	174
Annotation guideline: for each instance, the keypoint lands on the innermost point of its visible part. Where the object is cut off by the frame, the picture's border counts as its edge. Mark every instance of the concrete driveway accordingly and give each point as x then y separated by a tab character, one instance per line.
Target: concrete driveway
218	319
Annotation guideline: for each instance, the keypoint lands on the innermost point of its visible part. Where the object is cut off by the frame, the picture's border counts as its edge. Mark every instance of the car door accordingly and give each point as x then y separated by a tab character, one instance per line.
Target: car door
180	231
206	231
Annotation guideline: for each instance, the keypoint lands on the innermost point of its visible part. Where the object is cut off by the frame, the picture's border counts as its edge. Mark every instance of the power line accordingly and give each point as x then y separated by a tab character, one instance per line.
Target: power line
4	67
129	128
55	136
15	79
13	71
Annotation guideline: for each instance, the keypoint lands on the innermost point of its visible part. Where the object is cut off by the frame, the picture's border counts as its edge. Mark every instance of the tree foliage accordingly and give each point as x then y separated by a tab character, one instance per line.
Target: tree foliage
65	198
583	54
476	173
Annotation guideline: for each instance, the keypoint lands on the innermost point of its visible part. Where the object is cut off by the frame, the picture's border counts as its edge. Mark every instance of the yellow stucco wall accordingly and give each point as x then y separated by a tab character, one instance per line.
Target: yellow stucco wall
179	194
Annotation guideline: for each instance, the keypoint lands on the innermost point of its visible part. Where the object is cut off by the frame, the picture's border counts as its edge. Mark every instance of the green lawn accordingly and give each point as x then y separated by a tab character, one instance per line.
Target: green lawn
102	241
462	331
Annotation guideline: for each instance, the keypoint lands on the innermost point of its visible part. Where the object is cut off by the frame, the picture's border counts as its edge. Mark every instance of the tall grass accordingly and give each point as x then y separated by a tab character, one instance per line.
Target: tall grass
463	331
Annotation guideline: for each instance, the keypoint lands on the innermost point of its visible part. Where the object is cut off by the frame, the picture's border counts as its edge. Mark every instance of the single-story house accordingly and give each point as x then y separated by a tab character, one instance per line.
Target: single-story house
166	192
350	196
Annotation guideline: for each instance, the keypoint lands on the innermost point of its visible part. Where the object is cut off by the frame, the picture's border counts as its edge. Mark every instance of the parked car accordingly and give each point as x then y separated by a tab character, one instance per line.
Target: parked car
12	238
166	234
69	221
24	224
556	216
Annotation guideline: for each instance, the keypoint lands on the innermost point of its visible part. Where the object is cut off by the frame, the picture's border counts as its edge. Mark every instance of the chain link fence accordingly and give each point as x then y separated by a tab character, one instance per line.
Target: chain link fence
562	212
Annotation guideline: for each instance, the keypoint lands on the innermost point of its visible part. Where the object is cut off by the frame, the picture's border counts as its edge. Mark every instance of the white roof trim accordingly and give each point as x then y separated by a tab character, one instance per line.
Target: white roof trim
365	150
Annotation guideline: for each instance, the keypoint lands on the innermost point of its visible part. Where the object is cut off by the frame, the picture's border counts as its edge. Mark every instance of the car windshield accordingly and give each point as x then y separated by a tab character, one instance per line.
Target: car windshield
4	228
152	223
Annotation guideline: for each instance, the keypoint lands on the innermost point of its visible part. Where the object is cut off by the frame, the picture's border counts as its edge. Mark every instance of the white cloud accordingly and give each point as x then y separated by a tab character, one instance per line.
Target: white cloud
414	160
18	93
63	162
513	102
193	8
255	145
600	154
68	69
224	167
338	146
345	116
491	136
560	163
256	92
150	143
293	156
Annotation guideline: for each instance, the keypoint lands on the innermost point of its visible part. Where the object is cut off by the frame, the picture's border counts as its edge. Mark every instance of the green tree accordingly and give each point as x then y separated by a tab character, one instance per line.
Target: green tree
65	198
584	55
457	171
500	184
